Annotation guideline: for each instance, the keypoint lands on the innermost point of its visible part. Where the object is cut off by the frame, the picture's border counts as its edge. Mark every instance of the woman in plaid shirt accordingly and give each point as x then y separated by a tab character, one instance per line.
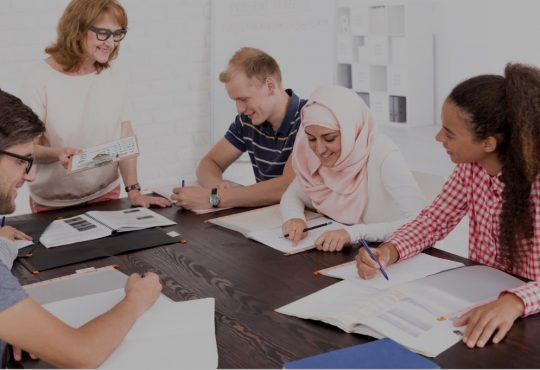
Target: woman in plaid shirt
491	130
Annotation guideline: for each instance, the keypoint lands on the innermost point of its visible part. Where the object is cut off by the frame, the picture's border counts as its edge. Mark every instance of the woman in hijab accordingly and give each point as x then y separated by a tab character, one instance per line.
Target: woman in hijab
348	172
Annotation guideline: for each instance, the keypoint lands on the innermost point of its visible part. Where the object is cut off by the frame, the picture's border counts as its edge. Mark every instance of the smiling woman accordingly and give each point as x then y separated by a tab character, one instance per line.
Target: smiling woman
347	171
81	97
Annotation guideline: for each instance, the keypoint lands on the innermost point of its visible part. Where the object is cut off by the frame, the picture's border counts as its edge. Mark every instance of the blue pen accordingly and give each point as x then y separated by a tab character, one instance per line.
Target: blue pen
183	182
374	258
3	221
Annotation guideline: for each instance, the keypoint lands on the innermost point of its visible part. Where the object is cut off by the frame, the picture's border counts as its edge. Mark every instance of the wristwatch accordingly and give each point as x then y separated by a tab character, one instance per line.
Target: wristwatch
214	198
135	186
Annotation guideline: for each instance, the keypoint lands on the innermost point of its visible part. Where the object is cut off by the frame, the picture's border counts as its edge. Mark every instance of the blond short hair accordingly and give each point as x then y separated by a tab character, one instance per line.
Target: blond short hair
254	63
78	17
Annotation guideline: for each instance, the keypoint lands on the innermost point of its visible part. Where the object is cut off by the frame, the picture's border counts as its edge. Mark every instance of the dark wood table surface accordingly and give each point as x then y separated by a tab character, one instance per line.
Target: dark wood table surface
249	281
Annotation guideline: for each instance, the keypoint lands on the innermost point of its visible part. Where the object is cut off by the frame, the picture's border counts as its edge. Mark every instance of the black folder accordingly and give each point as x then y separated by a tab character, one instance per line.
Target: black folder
37	258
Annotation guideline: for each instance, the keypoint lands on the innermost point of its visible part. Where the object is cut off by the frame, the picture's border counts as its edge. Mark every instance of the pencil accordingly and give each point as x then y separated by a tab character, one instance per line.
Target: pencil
311	228
374	258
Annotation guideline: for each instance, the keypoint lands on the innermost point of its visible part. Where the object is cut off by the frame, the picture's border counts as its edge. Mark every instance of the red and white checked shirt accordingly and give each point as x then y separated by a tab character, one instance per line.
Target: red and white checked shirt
471	190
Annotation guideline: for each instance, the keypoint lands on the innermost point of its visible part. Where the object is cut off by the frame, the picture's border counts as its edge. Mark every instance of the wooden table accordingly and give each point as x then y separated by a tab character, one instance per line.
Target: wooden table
249	280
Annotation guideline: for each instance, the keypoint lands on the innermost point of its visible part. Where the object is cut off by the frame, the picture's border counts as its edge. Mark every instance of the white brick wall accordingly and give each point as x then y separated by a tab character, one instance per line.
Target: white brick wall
166	55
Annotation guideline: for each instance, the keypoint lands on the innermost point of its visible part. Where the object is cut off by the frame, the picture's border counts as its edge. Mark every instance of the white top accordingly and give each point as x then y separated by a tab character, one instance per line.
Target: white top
394	195
80	112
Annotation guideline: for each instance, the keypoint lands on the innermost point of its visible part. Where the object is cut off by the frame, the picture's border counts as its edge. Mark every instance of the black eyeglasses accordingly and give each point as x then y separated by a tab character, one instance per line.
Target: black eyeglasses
29	160
103	34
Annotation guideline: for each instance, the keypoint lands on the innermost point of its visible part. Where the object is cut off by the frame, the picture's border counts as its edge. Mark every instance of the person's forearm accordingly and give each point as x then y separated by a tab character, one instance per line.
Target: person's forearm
259	194
128	171
209	174
45	154
97	339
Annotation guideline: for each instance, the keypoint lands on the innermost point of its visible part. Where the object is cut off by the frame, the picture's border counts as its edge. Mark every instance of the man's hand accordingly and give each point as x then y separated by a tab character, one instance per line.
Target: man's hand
333	240
192	197
294	229
12	233
137	199
496	316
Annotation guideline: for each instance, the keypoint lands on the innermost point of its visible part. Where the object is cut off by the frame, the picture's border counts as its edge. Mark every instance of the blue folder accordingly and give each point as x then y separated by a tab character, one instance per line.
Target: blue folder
379	354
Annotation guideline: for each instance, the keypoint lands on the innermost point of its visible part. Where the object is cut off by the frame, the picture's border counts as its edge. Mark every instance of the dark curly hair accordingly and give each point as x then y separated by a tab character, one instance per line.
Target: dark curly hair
508	109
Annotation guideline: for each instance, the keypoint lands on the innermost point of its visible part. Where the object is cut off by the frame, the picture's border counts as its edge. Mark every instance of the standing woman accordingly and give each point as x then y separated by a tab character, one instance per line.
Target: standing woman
82	99
491	130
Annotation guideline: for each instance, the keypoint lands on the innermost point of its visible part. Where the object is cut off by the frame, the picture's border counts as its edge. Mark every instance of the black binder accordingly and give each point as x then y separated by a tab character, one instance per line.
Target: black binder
37	258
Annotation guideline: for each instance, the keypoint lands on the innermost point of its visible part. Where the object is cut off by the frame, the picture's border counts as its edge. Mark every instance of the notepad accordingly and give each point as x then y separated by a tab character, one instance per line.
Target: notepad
274	237
256	219
410	269
99	224
379	354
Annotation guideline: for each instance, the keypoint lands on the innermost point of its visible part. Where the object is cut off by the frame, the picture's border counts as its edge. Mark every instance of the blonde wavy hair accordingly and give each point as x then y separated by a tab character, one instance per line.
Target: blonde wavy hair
78	17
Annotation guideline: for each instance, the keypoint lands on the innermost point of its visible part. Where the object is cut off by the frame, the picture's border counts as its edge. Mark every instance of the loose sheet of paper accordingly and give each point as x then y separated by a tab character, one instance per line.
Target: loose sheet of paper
104	154
274	237
407	270
178	335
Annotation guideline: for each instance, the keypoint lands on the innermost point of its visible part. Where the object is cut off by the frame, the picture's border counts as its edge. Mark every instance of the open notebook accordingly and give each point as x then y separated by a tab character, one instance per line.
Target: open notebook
264	218
418	314
99	224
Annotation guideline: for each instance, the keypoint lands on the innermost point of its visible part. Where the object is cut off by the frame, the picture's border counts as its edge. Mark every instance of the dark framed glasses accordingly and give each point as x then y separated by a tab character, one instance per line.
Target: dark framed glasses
29	161
103	34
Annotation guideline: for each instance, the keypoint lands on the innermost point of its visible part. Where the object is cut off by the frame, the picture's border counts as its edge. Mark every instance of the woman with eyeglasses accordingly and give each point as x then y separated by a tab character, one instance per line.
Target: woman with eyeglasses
81	96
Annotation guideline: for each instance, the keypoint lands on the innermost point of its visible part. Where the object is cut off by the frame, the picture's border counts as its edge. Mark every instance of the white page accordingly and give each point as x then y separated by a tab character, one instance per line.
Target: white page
257	219
168	335
131	219
104	154
410	269
72	230
274	237
19	243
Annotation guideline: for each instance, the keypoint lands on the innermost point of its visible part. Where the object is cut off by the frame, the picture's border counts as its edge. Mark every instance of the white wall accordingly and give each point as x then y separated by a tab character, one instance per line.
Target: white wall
167	56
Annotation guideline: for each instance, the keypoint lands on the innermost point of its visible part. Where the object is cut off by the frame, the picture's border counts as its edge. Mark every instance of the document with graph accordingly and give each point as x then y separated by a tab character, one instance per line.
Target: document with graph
99	224
419	314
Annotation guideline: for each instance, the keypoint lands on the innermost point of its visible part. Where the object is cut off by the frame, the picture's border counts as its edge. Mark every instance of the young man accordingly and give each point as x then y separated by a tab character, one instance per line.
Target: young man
266	126
23	322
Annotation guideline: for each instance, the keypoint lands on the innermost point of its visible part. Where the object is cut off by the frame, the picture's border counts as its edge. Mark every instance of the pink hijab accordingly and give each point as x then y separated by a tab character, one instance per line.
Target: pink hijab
341	191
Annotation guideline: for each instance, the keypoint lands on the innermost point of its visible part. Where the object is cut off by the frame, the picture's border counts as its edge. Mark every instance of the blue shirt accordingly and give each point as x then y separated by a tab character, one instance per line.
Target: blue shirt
11	293
268	149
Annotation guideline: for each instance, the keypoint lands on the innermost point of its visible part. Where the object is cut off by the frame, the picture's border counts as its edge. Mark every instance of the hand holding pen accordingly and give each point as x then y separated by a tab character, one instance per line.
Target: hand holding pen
295	229
372	262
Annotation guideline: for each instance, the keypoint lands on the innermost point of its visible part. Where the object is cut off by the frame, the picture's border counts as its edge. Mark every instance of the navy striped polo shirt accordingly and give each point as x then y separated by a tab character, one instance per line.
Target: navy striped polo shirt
268	149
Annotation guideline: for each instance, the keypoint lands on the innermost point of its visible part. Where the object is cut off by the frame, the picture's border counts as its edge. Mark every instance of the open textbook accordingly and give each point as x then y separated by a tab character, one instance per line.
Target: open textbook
410	269
99	224
169	334
419	314
274	237
104	154
256	219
